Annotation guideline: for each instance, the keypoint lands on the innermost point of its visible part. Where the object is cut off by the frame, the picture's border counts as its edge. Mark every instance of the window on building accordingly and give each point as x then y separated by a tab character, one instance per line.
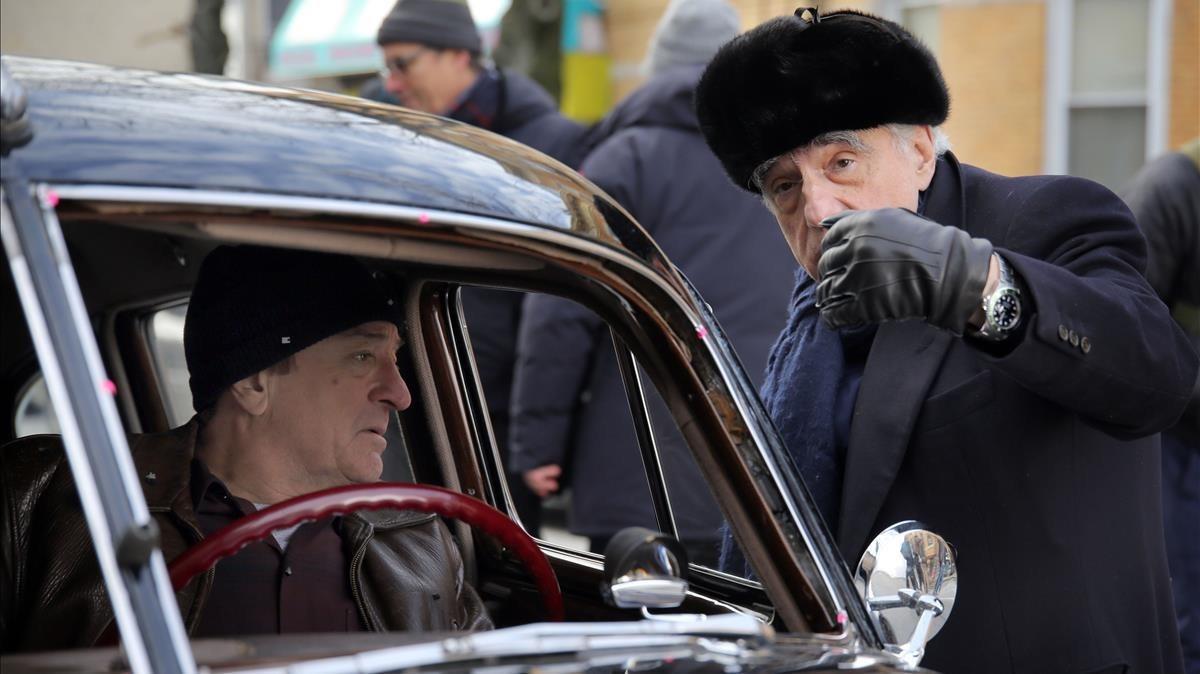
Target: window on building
922	18
1105	93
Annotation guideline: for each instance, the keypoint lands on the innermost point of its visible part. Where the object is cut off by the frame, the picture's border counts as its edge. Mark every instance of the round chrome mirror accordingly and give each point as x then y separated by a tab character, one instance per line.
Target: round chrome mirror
909	579
644	569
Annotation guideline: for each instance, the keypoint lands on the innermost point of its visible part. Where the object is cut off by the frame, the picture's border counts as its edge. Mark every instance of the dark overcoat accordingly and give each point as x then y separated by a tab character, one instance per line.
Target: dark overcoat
569	405
1038	462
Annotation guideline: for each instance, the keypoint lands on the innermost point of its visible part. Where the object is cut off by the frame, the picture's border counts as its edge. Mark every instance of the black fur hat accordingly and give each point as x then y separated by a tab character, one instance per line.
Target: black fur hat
789	80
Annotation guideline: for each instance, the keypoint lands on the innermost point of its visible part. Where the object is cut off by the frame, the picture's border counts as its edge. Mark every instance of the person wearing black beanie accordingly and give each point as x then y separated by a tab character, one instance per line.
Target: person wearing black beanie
976	352
433	62
292	356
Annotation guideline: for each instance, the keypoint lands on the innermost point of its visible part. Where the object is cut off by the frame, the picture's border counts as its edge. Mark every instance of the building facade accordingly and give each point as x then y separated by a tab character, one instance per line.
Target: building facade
1085	87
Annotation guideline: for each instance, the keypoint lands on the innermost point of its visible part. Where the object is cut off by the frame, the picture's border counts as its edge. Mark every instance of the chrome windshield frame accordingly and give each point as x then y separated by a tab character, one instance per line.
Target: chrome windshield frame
123	534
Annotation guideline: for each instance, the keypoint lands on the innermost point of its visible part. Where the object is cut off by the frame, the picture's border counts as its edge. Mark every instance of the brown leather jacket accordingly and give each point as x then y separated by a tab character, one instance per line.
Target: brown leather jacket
52	594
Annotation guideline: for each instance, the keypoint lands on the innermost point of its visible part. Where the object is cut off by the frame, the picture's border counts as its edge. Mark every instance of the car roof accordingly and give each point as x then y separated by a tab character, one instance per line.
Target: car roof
102	125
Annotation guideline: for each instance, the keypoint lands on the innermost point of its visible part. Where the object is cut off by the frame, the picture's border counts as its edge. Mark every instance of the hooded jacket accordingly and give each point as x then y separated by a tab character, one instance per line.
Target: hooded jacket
52	594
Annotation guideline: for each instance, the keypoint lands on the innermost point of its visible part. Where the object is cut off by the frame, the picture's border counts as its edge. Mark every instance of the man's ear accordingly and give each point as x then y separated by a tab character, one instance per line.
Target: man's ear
252	393
925	153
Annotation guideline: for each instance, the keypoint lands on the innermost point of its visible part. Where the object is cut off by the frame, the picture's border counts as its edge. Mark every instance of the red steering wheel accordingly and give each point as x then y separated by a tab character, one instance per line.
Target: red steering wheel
374	496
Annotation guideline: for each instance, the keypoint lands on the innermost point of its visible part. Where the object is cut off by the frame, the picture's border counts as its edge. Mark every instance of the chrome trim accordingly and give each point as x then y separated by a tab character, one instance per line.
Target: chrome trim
776	476
730	639
84	476
643	427
171	195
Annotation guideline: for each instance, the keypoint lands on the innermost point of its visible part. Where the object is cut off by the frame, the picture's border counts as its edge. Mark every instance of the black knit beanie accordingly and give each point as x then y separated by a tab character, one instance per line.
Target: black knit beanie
444	24
252	307
791	79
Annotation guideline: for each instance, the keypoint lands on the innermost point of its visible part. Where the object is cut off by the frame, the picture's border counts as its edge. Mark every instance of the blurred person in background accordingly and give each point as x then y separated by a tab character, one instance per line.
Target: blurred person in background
1165	198
653	161
433	56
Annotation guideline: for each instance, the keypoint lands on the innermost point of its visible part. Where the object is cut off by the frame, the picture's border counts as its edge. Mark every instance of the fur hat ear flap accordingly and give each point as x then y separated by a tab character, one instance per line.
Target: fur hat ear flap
789	80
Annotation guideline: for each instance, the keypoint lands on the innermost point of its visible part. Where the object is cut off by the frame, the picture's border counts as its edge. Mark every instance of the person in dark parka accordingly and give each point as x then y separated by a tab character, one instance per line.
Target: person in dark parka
1165	198
432	50
977	352
569	405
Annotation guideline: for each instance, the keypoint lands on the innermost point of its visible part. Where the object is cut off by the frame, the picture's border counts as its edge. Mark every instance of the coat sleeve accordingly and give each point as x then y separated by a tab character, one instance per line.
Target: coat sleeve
1099	341
554	354
31	463
1165	200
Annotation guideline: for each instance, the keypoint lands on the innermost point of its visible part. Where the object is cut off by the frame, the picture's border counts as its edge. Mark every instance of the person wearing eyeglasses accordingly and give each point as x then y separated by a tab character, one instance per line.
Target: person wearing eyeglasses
973	351
433	63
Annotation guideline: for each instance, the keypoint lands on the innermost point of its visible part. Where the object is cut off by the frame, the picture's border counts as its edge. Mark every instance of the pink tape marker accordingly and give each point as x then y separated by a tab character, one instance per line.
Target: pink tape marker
110	387
842	617
423	218
52	198
701	332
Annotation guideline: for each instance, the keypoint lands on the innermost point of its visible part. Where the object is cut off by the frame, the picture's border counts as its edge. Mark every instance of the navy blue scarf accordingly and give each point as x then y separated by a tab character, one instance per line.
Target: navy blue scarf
800	391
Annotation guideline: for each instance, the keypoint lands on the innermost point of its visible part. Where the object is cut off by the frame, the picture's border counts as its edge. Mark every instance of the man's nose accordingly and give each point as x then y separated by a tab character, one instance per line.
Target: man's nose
821	200
395	83
391	389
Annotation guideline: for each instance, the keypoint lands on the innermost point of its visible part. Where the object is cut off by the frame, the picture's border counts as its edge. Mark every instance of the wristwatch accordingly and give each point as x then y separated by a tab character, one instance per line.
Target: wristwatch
1002	308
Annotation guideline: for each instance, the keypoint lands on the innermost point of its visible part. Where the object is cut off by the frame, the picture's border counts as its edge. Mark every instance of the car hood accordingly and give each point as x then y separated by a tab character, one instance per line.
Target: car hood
699	644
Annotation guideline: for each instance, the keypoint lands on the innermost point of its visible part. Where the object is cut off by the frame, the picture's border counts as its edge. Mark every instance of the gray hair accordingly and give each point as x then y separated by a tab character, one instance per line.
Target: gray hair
904	132
850	138
900	134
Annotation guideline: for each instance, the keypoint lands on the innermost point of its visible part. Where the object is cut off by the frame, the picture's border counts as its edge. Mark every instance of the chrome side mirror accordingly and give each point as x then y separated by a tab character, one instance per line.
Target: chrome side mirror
908	578
644	569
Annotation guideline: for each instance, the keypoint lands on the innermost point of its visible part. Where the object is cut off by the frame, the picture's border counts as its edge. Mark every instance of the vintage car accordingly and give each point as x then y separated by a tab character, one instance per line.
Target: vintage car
116	183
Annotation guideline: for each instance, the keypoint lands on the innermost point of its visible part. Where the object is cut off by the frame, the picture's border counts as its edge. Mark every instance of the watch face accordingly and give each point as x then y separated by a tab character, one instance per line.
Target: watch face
1006	311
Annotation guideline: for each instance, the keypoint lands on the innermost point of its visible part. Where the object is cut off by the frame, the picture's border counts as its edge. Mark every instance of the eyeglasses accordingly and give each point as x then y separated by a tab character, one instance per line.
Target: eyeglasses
399	65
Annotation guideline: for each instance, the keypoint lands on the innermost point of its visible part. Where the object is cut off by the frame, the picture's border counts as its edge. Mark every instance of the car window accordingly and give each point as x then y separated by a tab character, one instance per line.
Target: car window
34	412
568	412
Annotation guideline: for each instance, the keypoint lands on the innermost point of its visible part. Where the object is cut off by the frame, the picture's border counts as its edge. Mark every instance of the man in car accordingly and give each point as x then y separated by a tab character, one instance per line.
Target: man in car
292	357
976	352
432	53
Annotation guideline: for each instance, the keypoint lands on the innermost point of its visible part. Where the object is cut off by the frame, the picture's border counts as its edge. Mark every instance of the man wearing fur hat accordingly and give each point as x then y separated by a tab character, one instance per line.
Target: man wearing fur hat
292	357
976	352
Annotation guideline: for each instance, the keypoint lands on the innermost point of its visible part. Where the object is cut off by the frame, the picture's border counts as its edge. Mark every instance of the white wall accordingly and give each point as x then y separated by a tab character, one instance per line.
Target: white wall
138	33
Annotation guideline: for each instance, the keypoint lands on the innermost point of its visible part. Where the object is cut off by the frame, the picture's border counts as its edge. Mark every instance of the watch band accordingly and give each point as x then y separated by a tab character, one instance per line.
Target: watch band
1002	308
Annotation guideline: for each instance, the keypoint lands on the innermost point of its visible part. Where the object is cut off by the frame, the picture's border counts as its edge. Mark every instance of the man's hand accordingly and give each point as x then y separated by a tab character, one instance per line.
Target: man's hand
892	264
543	480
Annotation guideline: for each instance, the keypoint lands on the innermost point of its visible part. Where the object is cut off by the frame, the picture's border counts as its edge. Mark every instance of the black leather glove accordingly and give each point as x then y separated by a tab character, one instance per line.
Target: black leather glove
893	264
